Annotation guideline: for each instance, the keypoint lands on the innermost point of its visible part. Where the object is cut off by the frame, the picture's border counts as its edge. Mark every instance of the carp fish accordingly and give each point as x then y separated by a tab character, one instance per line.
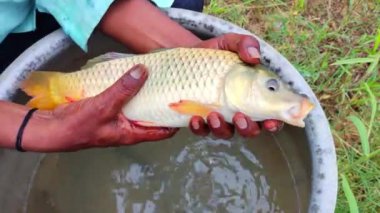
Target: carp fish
182	82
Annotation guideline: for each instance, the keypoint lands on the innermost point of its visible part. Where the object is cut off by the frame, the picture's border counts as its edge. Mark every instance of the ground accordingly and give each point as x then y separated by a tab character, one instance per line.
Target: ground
335	45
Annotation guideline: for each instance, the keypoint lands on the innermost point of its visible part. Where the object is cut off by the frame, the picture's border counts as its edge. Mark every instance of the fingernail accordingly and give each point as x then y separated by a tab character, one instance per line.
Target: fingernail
242	123
253	52
215	123
136	73
195	125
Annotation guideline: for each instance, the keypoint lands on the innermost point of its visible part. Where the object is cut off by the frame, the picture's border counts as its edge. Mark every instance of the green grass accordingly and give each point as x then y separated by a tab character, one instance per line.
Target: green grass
335	45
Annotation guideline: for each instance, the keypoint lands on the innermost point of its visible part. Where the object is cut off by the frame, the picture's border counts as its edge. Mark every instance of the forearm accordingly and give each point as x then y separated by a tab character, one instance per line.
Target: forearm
36	133
142	27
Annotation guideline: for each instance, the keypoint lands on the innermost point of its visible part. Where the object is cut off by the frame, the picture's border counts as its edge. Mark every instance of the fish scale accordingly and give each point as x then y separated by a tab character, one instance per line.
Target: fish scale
174	75
188	86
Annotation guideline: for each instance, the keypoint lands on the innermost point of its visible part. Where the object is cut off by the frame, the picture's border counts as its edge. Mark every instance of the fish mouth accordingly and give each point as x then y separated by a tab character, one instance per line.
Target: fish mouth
299	112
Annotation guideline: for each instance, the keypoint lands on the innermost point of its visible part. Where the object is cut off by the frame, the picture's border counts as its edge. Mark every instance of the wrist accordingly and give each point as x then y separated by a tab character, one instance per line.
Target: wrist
42	133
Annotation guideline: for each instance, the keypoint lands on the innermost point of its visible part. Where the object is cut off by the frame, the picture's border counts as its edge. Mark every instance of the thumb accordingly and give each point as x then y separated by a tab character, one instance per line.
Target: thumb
123	90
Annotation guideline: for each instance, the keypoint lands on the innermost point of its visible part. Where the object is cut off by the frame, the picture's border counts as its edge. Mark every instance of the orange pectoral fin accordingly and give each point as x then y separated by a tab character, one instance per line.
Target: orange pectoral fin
193	108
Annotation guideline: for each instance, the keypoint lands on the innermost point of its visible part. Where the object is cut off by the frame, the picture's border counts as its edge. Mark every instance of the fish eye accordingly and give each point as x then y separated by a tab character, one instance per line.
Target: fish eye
272	85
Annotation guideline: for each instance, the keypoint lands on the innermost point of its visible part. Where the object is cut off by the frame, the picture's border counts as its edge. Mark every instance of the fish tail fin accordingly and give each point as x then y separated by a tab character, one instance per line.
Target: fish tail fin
47	89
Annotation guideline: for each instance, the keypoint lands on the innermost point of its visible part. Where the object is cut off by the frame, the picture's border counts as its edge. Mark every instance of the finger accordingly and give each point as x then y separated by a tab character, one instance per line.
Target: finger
150	134
247	47
219	127
198	126
123	90
249	50
273	125
245	126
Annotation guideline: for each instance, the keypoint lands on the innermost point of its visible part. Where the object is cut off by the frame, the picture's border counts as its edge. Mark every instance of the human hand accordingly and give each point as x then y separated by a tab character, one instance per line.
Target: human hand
98	122
247	47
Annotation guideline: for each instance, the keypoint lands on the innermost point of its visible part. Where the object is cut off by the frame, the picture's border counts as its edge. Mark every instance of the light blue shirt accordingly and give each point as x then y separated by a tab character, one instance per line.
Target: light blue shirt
78	18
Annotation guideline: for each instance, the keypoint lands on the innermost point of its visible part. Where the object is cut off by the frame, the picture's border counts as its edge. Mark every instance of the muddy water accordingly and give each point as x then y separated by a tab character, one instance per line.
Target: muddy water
184	174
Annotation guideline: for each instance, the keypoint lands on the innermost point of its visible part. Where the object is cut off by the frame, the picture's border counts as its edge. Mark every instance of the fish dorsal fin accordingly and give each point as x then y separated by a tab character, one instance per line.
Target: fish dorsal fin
105	57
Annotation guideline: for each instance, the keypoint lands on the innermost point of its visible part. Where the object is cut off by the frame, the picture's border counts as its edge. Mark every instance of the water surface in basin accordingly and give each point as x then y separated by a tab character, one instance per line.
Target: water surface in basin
270	173
184	173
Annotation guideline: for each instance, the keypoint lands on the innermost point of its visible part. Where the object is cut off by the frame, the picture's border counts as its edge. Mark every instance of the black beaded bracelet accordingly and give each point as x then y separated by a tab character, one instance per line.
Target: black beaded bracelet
21	130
